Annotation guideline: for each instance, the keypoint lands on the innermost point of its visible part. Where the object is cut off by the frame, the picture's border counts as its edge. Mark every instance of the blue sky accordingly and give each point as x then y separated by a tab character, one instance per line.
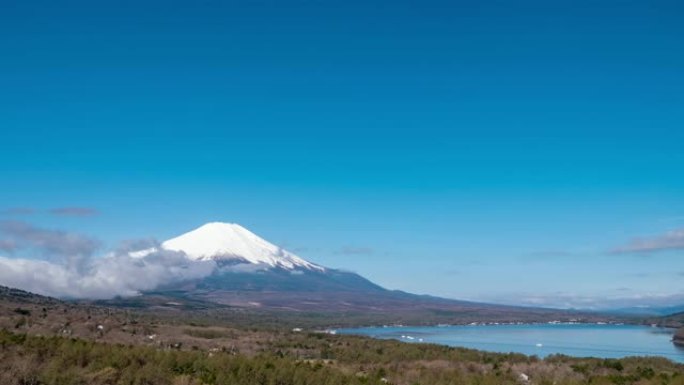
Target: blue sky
498	151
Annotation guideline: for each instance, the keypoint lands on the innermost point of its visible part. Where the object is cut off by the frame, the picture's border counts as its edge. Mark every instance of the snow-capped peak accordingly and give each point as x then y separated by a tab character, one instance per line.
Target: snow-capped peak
230	241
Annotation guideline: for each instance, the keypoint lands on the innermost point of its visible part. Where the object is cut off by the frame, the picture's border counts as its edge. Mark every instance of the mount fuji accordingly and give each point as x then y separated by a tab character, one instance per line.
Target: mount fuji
254	273
230	243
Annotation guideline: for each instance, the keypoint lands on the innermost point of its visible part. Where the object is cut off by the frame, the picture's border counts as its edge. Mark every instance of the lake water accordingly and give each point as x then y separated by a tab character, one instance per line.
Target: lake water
579	340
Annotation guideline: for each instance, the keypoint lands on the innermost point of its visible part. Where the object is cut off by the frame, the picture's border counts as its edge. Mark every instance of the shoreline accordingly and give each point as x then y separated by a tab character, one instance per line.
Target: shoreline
610	323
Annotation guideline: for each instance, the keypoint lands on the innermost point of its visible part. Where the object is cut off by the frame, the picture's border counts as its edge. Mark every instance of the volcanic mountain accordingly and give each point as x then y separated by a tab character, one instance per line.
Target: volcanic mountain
254	273
233	244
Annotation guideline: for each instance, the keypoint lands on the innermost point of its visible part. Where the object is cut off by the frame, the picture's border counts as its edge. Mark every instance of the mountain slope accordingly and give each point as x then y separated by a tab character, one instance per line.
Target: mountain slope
253	273
247	263
675	320
21	296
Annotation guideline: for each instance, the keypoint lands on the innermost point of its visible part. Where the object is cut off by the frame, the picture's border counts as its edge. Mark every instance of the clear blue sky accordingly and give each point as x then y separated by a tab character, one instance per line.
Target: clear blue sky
483	150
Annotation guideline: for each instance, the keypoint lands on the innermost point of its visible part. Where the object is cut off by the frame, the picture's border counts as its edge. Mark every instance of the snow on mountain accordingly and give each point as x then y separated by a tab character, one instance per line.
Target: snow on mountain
230	241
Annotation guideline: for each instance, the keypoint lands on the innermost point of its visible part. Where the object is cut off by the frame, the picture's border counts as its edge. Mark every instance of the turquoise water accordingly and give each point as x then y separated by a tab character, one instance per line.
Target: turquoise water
579	340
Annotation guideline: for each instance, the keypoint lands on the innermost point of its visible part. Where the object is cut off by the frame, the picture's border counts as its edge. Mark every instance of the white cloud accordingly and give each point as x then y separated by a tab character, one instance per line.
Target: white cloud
354	250
99	278
672	240
606	301
66	266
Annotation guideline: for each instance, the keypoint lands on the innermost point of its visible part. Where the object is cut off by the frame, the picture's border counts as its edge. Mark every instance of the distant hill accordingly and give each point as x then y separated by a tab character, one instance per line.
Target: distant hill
649	311
672	320
21	296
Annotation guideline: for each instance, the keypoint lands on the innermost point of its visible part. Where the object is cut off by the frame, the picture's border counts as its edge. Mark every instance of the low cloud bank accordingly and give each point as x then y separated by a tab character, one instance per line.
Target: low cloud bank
75	211
560	300
354	250
672	240
64	265
71	211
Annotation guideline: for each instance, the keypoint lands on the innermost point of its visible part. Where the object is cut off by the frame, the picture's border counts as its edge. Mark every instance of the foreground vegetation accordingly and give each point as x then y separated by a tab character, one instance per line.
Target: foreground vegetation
46	341
307	358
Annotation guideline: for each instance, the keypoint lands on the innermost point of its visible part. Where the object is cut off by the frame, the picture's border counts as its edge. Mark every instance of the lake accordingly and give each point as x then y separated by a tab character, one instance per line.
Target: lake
579	340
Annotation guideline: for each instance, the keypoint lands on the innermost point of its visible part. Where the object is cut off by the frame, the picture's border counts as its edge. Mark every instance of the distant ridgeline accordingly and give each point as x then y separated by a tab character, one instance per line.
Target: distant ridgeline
17	295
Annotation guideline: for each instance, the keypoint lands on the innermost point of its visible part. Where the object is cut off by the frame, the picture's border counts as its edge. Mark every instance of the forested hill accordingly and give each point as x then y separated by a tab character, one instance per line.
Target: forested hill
21	296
